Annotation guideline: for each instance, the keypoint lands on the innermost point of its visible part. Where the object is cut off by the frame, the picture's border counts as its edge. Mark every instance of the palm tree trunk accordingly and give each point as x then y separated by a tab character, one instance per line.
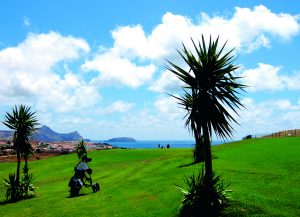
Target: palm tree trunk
199	146
17	181
208	159
18	168
26	169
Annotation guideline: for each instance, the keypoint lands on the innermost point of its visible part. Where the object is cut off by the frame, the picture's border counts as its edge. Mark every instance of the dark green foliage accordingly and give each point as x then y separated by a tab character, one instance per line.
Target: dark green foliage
210	89
27	186
16	191
81	150
203	199
247	137
23	122
12	190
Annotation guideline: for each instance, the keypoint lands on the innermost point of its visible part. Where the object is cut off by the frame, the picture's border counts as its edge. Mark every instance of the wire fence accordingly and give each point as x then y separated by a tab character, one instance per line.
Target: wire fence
284	133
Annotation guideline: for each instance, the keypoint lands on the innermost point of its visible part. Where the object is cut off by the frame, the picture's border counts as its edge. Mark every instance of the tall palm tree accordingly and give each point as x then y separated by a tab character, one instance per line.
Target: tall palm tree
210	90
23	122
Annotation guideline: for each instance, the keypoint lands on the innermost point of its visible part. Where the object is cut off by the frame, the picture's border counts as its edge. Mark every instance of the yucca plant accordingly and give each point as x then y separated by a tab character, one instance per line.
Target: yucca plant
210	89
27	187
81	150
23	121
201	199
12	188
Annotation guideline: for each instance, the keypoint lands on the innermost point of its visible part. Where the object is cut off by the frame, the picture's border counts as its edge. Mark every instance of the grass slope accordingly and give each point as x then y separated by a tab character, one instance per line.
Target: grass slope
264	176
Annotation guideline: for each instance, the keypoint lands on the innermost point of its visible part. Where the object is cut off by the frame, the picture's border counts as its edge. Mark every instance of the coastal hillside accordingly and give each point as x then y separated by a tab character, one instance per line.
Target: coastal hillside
264	176
45	134
122	139
285	133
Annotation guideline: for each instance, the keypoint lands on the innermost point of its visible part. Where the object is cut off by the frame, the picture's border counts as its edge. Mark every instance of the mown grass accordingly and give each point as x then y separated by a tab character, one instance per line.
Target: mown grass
264	176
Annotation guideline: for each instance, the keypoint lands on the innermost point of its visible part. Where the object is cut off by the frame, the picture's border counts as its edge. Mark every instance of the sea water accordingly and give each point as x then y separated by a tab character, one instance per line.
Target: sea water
159	143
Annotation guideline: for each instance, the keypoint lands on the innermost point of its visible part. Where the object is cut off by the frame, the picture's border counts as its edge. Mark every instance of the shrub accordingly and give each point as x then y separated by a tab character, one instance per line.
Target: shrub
247	137
27	187
12	189
16	191
202	200
81	150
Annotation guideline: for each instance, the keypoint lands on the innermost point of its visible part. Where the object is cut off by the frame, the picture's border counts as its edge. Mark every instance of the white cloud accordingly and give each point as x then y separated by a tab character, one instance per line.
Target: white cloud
114	69
116	107
267	77
167	82
169	107
26	21
267	116
27	73
285	104
247	30
120	106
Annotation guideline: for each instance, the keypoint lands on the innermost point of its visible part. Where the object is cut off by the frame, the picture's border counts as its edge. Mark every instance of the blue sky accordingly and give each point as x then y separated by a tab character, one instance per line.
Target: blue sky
97	67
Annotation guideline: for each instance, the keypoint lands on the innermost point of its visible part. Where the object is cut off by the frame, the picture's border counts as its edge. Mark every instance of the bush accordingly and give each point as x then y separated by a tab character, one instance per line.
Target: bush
27	187
202	200
12	189
18	191
247	137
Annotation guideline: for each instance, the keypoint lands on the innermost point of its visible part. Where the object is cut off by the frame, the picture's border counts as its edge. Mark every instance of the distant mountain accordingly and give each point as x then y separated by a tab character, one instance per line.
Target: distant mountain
6	134
122	139
46	134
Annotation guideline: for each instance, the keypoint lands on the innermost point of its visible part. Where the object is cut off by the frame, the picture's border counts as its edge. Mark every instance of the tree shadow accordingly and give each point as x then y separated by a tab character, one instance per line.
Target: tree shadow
8	202
5	202
189	164
193	163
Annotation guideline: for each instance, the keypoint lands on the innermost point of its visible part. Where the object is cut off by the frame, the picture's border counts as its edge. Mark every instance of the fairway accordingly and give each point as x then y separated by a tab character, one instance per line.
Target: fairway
264	176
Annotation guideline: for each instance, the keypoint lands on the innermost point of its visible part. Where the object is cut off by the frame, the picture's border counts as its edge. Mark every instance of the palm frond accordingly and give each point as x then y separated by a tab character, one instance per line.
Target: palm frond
211	88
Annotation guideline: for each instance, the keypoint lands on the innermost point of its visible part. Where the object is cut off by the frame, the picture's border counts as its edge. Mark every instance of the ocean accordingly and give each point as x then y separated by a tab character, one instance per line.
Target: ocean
155	143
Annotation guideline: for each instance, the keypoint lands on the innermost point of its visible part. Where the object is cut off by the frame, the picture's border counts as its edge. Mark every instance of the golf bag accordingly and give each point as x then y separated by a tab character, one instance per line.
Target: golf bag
82	178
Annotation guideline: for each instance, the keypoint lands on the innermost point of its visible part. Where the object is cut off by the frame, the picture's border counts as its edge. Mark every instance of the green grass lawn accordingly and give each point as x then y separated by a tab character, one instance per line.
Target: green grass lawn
264	176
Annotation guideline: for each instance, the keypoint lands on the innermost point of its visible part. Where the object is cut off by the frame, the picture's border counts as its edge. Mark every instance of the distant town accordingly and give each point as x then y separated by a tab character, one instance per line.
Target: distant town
46	143
47	149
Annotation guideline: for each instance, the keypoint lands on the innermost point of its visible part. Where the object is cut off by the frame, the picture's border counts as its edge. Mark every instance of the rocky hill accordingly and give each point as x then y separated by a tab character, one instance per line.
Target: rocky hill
6	134
122	139
46	134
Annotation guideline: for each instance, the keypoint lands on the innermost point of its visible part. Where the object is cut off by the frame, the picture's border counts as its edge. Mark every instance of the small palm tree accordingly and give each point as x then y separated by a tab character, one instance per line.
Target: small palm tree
23	122
81	150
210	90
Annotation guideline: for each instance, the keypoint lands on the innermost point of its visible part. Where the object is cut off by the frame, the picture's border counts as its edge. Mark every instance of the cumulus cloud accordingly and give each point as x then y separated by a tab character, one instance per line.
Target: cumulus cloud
267	116
116	70
247	29
167	82
27	73
267	77
168	105
116	107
